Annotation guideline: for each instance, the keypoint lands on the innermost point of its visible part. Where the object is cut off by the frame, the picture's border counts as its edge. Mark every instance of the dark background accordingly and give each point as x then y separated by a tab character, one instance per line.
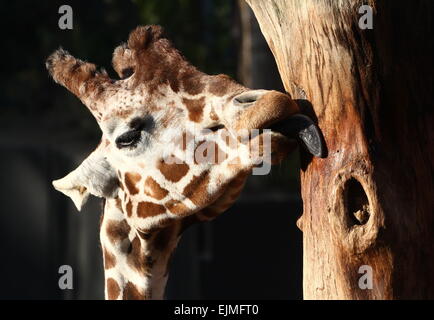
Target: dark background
253	251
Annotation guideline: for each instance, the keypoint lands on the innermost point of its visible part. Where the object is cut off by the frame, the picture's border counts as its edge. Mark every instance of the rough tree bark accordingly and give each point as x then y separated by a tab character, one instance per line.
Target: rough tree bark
370	201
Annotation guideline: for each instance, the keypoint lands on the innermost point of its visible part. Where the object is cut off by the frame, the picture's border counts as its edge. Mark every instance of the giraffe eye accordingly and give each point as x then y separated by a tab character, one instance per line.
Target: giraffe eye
132	137
128	139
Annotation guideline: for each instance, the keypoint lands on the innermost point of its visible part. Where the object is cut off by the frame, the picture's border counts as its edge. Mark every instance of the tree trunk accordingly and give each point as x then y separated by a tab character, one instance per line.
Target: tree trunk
370	201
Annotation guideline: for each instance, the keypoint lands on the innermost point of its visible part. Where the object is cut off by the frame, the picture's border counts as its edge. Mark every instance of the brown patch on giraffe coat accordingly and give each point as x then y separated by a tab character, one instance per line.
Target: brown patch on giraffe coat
184	141
154	190
135	257
195	108
131	292
129	208
172	79
222	84
209	152
176	207
164	237
173	171
117	230
113	289
196	190
217	85
131	179
118	203
149	209
192	81
109	259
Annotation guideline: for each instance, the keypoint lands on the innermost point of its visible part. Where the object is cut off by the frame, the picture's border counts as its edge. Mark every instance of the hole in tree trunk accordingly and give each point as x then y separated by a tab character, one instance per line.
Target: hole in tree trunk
356	203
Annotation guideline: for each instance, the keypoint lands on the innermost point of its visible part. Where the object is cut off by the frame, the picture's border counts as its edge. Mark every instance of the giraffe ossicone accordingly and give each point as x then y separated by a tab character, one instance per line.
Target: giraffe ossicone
213	130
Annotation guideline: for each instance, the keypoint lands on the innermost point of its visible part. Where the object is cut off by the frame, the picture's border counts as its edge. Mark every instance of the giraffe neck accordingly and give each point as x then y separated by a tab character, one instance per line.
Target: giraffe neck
136	263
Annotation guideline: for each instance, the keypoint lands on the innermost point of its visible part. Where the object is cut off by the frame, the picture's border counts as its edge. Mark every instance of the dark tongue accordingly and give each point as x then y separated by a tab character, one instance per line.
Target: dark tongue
305	131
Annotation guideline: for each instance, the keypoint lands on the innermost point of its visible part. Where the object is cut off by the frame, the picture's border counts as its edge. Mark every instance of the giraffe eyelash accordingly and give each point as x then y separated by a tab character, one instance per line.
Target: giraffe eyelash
128	139
131	138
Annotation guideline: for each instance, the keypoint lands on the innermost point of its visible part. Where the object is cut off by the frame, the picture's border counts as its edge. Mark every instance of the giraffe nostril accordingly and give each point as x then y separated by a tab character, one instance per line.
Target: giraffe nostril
248	98
245	99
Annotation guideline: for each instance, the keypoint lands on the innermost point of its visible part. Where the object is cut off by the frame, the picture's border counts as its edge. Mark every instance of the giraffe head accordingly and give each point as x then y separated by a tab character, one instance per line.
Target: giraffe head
173	138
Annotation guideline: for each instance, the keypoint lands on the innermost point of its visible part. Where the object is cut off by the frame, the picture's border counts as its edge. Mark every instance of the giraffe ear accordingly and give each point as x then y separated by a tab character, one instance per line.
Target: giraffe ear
94	176
78	193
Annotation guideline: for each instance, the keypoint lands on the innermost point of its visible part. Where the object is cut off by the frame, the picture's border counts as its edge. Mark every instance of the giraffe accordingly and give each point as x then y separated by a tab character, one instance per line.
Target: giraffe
176	148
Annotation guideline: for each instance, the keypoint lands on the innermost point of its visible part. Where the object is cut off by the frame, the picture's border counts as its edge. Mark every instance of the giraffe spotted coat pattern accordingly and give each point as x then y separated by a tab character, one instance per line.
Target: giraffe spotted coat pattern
176	148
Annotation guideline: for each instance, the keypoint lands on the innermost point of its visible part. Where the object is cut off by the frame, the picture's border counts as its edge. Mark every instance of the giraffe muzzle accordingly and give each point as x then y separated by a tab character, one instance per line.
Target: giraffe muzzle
277	111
